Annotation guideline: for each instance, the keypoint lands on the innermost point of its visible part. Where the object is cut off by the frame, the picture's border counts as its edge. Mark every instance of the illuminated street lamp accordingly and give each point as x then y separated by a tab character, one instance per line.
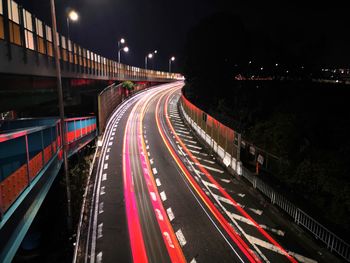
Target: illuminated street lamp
171	60
121	42
72	16
149	56
125	49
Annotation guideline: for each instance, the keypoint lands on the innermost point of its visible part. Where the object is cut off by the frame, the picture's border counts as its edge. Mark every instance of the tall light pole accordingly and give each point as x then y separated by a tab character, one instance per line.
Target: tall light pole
61	109
171	60
150	55
120	43
125	49
72	15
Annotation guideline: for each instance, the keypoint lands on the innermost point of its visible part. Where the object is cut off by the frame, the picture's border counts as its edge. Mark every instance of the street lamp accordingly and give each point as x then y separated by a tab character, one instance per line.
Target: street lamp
125	49
150	55
72	15
171	60
61	109
120	43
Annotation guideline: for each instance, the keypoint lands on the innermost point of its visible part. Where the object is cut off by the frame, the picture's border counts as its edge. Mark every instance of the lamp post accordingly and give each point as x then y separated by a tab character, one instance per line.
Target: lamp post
61	109
72	15
171	60
125	49
120	43
150	55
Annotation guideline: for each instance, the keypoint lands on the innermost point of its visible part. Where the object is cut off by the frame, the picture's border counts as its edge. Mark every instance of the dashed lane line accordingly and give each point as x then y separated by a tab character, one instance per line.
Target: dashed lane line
180	236
170	213
163	196
158	183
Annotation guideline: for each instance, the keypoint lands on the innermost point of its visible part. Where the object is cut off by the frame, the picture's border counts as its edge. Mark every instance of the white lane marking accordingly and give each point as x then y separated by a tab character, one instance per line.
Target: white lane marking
151	161
211	168
102	190
99	230
194	146
99	143
241	195
104	177
146	141
256	211
99	257
107	157
163	196
167	236
170	213
222	199
206	183
147	147
154	170
180	236
113	133
193	260
153	195
110	143
178	125
225	180
108	150
301	258
112	138
100	208
183	132
159	214
180	128
158	182
105	166
114	129
148	154
197	152
205	160
191	141
185	136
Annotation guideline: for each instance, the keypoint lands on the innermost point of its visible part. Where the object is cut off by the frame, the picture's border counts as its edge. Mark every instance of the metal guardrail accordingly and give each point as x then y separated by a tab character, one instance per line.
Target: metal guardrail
331	240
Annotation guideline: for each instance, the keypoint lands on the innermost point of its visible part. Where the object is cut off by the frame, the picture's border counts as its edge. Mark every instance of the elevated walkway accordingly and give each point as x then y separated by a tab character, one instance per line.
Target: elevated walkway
31	156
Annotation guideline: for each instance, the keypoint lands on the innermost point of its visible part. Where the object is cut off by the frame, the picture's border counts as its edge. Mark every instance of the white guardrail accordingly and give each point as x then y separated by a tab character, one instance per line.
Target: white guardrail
332	241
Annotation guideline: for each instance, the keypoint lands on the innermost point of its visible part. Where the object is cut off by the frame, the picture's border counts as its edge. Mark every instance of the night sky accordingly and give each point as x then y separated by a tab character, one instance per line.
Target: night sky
164	25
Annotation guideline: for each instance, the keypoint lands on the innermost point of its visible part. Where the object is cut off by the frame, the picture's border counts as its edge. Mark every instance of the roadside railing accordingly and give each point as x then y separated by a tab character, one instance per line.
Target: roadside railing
24	152
223	142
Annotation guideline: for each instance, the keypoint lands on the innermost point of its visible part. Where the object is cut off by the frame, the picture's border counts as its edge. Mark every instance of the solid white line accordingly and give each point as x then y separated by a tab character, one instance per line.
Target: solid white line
163	196
154	170
170	214
180	236
158	182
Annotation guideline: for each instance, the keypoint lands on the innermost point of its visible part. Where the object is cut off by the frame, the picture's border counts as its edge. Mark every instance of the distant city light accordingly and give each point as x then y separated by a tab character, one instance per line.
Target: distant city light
276	64
261	68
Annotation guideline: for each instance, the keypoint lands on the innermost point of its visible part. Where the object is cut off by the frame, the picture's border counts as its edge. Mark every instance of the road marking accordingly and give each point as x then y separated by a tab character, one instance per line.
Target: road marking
225	180
99	143
154	170
111	139
191	141
211	168
99	257
180	236
185	136
180	128
194	146
159	214
105	166
241	195
197	152
99	230
158	182
167	236
153	195
147	147
113	133
193	260
146	141
256	211
107	157
102	190
301	258
114	129
163	196
184	132
170	214
209	184
151	161
104	177
100	208
148	154
110	143
108	150
179	125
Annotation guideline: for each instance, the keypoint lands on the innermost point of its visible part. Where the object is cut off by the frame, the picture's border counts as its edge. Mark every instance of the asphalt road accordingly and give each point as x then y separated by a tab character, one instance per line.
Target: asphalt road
160	196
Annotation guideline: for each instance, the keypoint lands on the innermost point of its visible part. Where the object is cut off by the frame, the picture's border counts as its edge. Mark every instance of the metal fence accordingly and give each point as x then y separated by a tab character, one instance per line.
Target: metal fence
216	136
